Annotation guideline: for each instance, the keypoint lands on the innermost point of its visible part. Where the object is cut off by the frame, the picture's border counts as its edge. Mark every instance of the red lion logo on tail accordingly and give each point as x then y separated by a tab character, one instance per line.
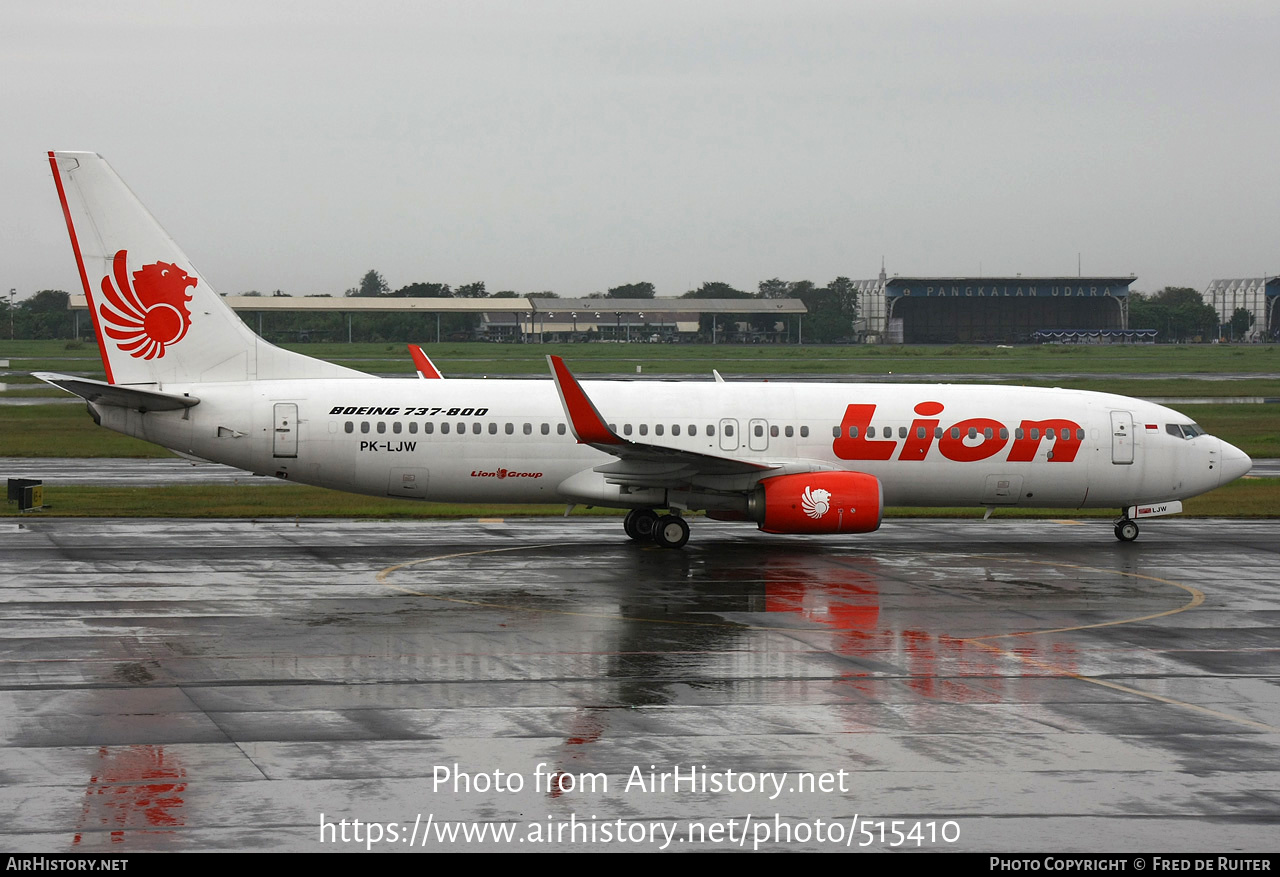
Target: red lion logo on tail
150	313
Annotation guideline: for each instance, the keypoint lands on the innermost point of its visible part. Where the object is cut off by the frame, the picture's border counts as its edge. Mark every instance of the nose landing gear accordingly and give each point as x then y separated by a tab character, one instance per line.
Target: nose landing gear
1126	529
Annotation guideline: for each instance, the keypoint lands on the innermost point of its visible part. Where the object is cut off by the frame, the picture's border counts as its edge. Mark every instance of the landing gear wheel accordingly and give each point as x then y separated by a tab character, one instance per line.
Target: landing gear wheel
671	532
639	524
1126	530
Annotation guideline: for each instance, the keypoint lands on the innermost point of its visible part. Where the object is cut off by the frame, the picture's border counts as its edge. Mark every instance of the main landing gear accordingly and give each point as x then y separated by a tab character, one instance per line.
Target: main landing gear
1126	529
646	525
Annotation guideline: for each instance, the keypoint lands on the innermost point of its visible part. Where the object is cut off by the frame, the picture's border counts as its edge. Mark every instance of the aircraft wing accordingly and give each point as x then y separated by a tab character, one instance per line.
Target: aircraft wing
640	464
118	395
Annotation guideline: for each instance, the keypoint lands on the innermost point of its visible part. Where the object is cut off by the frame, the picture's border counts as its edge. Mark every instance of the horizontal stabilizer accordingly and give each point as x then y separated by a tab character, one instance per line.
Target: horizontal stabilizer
118	395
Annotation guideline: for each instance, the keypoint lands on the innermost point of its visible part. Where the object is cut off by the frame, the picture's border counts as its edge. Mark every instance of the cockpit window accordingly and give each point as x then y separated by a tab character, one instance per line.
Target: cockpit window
1184	430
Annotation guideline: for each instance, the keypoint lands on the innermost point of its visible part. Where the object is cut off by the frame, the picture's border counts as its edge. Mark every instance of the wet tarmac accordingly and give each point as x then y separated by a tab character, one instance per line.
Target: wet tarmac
1007	686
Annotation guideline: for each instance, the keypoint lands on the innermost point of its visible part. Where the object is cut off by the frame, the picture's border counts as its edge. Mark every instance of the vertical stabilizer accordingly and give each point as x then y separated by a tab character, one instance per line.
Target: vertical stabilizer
156	318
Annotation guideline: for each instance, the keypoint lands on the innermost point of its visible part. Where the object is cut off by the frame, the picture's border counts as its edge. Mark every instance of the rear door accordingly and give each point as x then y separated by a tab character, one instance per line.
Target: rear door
284	442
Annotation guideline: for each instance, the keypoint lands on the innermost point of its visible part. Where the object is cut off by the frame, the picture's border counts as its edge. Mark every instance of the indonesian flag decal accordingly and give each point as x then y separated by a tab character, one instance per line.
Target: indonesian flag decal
147	313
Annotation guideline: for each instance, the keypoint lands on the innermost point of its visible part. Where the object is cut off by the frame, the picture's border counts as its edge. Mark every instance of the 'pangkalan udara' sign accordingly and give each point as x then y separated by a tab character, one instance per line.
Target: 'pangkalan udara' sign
1004	289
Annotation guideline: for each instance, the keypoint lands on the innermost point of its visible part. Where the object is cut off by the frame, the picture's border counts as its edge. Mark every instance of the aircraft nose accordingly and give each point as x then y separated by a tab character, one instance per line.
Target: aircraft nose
1235	463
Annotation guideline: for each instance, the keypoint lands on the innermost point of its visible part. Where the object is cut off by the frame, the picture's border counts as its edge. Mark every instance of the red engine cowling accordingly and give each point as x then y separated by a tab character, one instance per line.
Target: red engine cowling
820	502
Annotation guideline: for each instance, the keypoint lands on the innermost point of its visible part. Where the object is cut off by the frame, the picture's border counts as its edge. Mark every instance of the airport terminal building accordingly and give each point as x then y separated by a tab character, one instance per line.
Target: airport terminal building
950	310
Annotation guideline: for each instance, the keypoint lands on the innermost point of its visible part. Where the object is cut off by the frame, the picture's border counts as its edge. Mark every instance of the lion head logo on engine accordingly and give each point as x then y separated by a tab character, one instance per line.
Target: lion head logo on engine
148	314
815	503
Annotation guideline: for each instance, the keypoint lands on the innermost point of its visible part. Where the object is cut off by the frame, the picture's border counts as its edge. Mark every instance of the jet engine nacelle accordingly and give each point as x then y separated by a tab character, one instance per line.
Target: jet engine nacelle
820	502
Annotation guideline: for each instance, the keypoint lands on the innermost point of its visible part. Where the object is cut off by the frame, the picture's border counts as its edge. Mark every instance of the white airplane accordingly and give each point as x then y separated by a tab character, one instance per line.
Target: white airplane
185	372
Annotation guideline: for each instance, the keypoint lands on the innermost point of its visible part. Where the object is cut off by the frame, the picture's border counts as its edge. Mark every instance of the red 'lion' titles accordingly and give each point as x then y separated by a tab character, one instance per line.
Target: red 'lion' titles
965	441
150	313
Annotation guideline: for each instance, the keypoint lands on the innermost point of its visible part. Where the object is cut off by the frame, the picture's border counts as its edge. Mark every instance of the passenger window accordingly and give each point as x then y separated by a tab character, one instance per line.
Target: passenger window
413	427
395	427
1018	433
462	428
675	429
773	431
349	426
1004	433
973	432
853	432
728	429
626	429
546	429
493	429
559	429
657	429
804	432
759	431
428	427
790	431
871	432
955	432
919	432
444	428
644	429
1035	434
902	432
364	426
1079	435
475	428
937	432
693	429
528	429
382	427
835	432
510	429
711	429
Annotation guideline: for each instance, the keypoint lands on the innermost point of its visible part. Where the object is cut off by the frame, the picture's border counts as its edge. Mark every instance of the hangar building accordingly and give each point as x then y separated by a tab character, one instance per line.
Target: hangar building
1258	295
947	310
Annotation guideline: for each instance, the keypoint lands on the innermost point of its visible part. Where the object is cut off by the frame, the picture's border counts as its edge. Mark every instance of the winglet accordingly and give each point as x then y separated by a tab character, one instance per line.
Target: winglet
426	368
716	373
585	421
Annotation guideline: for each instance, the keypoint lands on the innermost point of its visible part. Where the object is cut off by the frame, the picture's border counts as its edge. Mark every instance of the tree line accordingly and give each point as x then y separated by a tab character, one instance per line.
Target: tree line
1178	313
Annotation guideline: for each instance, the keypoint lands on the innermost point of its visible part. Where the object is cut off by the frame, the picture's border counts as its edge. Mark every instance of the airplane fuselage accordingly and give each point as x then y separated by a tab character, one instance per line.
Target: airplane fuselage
508	440
183	371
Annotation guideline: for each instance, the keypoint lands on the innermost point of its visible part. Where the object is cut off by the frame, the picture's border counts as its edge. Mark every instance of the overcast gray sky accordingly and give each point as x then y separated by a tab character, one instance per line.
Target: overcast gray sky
574	146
